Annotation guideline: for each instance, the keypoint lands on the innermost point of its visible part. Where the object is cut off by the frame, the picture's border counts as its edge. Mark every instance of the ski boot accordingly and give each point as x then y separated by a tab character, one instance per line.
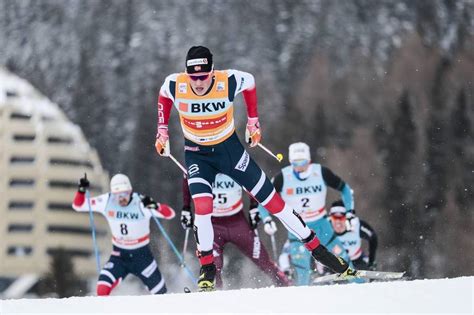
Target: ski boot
207	274
206	278
333	262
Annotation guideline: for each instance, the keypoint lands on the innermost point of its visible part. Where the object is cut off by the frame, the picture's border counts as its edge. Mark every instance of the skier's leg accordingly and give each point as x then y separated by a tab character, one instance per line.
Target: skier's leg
220	240
301	262
144	266
111	274
248	242
200	177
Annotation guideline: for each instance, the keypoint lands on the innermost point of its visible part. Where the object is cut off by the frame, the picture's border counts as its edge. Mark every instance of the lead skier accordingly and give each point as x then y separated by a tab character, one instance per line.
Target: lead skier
204	99
128	215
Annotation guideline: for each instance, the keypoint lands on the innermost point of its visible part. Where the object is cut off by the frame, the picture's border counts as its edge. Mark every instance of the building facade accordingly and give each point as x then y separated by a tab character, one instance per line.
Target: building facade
42	156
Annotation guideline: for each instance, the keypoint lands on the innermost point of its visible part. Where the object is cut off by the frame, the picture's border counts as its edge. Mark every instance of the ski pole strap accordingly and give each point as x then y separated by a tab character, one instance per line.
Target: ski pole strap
94	240
188	271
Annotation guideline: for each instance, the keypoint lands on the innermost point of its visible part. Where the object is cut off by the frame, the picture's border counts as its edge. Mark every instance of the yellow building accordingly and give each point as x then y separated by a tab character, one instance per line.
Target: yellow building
42	156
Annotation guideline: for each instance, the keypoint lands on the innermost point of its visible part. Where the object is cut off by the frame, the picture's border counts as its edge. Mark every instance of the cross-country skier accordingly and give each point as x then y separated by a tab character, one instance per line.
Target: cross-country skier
128	214
204	99
230	226
303	185
351	230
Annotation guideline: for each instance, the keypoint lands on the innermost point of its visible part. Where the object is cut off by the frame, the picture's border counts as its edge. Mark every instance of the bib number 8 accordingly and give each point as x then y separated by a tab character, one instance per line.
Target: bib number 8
123	229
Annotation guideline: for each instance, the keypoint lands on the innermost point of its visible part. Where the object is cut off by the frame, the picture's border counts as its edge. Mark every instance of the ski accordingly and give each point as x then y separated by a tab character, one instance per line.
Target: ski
362	274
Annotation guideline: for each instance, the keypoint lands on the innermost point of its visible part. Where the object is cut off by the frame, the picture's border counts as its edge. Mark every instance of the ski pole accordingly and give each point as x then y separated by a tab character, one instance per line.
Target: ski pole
189	272
177	163
274	247
278	157
91	220
185	246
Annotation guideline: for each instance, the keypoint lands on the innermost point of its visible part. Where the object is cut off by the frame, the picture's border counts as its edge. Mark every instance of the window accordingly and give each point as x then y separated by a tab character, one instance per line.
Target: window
19	250
62	184
59	206
59	140
24	138
22	159
11	93
20	116
69	162
20	228
22	182
20	205
71	252
73	230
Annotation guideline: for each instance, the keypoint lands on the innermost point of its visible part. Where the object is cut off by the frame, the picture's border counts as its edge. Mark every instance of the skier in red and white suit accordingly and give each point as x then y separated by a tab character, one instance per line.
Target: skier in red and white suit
204	98
128	215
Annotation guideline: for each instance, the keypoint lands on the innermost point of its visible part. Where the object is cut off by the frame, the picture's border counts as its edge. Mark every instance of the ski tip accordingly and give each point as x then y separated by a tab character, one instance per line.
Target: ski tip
187	290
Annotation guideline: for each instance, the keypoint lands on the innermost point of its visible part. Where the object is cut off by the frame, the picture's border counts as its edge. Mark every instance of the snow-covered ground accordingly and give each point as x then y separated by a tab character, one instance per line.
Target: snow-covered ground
420	296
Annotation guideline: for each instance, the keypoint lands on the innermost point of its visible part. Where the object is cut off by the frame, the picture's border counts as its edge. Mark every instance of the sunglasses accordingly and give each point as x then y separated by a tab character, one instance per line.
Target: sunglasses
338	217
201	77
299	163
122	194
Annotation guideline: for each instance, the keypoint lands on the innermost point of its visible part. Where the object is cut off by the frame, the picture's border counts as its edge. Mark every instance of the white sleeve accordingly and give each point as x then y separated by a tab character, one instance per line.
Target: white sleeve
165	88
98	204
244	80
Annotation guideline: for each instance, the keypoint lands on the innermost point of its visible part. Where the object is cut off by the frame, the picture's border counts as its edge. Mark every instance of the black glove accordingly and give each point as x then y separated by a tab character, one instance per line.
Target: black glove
148	202
186	218
83	184
254	218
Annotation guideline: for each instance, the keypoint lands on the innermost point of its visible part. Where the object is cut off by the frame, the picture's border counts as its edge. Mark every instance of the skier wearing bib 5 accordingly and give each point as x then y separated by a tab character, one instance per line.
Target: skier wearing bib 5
204	99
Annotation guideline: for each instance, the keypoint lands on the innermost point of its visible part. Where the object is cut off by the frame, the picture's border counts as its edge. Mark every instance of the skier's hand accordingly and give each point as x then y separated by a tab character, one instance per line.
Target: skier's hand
149	202
254	218
83	184
186	218
252	133
270	227
162	143
349	217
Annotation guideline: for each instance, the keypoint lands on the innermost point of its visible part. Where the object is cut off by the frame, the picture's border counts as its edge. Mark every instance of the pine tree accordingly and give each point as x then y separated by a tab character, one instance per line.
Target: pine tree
61	279
401	147
463	159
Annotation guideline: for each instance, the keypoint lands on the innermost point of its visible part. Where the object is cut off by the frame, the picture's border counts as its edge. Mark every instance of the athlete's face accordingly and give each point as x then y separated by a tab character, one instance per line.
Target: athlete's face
123	197
300	166
200	82
338	223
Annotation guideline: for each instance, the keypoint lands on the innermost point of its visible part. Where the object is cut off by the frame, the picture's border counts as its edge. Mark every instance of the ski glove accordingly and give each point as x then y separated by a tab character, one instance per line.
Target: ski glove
349	217
162	143
270	227
186	218
254	218
252	133
83	184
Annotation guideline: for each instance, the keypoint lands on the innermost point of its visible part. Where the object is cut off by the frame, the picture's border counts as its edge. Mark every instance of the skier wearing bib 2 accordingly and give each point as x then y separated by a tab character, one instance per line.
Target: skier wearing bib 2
204	99
230	226
303	185
128	215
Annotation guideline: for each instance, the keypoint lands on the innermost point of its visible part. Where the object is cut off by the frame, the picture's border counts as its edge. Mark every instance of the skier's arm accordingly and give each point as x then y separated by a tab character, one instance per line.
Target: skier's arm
159	210
165	104
368	233
245	82
335	182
